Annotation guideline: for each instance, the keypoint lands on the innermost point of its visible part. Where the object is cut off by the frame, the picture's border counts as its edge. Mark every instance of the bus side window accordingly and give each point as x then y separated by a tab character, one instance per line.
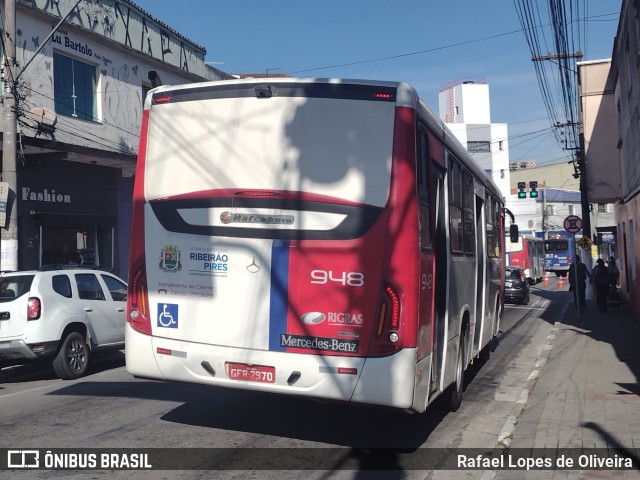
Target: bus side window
469	224
455	206
424	190
489	223
496	227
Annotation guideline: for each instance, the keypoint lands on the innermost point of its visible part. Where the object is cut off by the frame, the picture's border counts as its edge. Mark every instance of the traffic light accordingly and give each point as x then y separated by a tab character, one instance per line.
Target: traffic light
522	189
533	189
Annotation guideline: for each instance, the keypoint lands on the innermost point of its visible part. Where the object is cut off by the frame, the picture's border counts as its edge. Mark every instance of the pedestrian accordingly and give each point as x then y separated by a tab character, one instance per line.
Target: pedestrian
578	274
601	283
614	274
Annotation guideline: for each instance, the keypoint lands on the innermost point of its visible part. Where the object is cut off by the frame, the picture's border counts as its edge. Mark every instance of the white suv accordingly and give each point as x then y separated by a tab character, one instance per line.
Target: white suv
60	314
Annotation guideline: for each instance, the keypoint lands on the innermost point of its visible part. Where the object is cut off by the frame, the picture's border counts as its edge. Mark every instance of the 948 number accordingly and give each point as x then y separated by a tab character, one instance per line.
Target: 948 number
322	277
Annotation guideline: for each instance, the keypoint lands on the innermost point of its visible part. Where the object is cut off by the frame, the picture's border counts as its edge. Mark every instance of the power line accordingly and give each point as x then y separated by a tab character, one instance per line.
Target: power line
434	49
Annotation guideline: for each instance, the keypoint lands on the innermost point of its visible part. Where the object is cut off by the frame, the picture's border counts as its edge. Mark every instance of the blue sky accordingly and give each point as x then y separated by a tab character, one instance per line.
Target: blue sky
426	43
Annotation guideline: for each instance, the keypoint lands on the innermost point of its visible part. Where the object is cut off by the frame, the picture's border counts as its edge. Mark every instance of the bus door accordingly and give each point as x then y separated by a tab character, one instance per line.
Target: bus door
441	256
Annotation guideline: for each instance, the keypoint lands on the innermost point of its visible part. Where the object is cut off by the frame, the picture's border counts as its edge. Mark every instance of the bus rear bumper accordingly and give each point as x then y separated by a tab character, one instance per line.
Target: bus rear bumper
386	381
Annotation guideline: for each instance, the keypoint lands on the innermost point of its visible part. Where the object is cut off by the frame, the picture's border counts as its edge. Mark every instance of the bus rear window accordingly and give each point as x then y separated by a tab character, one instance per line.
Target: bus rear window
556	246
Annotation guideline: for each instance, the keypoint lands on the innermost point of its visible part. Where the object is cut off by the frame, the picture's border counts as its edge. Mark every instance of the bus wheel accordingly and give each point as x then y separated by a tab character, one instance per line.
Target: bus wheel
456	389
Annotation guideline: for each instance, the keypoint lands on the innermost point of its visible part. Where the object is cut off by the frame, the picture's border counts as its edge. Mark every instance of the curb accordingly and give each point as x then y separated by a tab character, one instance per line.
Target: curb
509	426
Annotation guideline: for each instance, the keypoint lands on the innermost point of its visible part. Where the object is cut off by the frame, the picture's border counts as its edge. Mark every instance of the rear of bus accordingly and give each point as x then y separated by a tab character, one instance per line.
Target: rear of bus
274	239
558	255
516	255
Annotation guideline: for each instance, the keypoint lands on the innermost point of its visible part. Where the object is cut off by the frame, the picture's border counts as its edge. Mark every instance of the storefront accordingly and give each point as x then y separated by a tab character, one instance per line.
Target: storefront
67	214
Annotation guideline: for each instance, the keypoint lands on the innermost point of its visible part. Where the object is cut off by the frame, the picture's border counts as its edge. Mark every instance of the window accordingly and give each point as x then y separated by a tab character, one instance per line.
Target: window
469	227
489	224
602	208
88	287
475	147
424	190
455	207
117	289
14	287
61	285
74	88
572	209
556	246
500	145
637	34
551	209
497	221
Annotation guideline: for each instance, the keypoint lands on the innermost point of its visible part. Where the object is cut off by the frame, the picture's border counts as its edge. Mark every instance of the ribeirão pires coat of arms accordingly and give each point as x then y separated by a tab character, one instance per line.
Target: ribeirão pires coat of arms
170	258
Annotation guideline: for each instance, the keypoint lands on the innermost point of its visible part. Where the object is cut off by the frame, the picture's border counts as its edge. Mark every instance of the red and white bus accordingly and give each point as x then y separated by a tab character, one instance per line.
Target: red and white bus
528	254
320	238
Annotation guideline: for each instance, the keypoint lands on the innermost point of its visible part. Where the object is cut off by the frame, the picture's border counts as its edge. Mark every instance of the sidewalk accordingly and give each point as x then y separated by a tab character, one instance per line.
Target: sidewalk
586	394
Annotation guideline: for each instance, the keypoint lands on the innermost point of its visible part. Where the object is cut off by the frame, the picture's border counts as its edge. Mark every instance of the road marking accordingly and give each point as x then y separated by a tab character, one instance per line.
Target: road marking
26	391
7	395
104	372
525	306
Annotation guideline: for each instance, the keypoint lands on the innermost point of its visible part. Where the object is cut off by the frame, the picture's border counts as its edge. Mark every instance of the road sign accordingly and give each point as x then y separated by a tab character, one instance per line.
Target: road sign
585	243
573	224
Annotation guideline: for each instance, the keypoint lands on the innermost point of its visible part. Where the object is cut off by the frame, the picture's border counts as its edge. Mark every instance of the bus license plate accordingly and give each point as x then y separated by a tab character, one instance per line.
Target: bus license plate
251	373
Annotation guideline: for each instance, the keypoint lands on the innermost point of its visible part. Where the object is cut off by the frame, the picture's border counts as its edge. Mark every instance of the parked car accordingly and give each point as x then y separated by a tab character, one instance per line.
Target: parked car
64	315
516	286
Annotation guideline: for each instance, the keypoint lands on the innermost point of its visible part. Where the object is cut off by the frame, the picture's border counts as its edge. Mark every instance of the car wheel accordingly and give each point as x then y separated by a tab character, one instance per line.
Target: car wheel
72	359
455	399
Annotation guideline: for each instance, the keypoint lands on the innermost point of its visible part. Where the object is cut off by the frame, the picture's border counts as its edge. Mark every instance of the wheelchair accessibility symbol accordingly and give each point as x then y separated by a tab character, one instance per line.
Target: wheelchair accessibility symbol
168	315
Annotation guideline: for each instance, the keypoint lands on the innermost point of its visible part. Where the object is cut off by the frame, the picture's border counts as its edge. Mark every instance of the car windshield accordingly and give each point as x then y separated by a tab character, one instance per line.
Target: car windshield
14	287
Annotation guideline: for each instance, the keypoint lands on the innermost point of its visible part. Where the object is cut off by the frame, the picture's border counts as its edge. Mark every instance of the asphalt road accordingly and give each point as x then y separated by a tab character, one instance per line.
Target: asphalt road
109	409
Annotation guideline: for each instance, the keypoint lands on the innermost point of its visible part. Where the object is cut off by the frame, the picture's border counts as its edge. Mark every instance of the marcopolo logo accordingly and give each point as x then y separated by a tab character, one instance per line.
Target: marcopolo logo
228	217
312	318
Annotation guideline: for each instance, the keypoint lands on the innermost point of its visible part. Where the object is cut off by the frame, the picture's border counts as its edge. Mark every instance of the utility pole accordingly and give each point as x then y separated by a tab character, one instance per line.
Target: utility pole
545	218
580	149
9	236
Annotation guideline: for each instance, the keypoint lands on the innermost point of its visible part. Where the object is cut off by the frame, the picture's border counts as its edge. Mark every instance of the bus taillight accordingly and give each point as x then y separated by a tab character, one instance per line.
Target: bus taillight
391	305
139	303
395	307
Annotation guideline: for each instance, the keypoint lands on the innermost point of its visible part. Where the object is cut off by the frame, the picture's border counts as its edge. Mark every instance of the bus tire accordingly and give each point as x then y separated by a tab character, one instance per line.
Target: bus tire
455	398
72	358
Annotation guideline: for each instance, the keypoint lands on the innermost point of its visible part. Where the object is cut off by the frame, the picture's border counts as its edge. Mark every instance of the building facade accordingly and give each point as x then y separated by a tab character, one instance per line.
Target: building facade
559	189
465	108
79	95
624	78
